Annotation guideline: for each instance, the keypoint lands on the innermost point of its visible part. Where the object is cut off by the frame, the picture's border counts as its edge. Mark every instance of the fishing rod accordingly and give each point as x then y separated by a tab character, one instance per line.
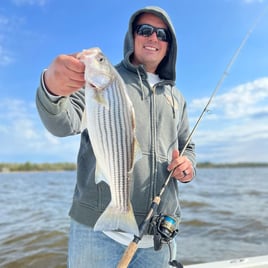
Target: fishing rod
133	246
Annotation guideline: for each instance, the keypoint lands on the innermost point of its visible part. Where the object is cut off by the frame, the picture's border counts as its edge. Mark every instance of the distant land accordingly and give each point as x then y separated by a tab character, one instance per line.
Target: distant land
28	166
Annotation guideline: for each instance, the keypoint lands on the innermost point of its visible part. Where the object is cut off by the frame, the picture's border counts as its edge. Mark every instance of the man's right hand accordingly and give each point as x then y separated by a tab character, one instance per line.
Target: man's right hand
65	75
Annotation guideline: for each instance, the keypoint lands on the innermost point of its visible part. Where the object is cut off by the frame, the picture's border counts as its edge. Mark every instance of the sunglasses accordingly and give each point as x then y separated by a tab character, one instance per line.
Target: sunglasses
147	30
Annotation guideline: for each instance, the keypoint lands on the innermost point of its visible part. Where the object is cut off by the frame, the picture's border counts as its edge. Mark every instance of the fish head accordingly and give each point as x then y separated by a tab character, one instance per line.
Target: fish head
98	69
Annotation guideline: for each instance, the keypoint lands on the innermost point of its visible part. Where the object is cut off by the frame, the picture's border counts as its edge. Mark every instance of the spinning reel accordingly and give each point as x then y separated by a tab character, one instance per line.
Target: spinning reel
164	229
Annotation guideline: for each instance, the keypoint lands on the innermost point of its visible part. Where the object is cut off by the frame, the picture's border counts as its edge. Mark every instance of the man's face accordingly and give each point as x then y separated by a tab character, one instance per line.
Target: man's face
149	50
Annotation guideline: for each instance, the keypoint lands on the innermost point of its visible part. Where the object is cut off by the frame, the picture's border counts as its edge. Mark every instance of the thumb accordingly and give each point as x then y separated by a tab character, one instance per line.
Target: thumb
175	154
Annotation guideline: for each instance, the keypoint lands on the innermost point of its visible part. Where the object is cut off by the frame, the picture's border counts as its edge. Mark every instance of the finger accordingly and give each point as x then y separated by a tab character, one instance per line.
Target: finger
186	175
73	86
73	76
75	65
177	174
185	179
175	160
77	77
175	154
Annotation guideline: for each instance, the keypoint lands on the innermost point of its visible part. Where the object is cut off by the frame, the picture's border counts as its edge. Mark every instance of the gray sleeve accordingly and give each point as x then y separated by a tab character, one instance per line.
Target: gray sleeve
62	117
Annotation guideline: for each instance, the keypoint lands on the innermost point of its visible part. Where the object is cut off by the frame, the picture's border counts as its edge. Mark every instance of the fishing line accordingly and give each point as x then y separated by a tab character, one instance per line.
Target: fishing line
133	246
224	75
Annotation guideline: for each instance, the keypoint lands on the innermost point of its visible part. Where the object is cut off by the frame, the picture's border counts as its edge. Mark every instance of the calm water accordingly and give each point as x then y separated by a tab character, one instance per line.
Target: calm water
225	216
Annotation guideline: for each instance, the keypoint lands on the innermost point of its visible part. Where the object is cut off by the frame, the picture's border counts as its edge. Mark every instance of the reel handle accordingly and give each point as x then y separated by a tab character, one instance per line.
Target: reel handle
128	255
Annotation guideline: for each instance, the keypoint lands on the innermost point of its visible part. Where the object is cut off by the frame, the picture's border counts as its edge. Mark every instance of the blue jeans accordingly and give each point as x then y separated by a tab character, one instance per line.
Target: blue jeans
89	249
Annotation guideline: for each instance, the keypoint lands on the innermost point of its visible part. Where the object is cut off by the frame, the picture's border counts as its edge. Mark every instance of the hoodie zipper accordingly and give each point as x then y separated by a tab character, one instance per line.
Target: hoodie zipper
153	187
153	137
153	181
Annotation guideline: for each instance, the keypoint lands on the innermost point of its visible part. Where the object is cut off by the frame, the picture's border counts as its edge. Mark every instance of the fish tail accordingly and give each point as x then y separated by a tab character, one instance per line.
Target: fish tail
114	219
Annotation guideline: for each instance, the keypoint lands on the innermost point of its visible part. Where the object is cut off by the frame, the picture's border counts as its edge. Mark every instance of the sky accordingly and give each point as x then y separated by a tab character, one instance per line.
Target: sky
234	129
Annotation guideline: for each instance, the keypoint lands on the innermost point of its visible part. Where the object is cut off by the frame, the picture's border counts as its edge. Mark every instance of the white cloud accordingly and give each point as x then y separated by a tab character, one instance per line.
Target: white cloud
24	138
241	101
236	124
30	2
7	26
5	57
244	100
253	1
14	35
236	129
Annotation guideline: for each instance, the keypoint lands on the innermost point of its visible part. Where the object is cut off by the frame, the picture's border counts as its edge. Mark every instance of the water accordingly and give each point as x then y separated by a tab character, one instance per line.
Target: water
34	218
225	216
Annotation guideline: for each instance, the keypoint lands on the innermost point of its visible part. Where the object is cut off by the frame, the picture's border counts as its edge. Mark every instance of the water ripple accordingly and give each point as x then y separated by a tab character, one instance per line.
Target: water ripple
220	207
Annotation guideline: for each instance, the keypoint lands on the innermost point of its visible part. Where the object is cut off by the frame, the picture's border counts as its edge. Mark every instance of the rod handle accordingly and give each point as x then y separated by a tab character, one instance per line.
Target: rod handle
128	255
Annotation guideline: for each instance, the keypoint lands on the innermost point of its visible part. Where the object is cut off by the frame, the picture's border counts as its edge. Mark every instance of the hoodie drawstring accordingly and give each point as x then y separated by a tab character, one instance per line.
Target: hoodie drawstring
141	85
143	93
173	102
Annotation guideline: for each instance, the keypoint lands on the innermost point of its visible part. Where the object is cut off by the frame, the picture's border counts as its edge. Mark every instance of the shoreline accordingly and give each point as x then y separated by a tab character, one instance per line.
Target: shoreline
46	167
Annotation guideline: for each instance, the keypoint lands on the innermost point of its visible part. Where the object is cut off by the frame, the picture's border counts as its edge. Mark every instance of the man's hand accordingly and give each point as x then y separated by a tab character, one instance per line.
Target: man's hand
65	75
181	166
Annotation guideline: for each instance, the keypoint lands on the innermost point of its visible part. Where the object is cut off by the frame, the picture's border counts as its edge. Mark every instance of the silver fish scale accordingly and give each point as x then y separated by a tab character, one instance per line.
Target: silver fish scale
111	127
116	133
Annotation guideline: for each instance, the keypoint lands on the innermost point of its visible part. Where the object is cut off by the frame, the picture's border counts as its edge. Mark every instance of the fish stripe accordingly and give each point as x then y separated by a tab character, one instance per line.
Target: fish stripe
123	159
116	142
111	127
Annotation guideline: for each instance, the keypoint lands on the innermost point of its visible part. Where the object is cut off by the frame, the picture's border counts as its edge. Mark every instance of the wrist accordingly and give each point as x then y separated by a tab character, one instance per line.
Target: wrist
53	97
45	86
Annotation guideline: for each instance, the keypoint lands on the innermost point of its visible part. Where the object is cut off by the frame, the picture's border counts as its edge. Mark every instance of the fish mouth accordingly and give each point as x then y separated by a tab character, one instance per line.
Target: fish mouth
92	85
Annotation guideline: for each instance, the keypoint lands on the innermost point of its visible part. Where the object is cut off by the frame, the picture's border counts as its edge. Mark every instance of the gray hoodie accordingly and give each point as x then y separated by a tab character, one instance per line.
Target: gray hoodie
161	126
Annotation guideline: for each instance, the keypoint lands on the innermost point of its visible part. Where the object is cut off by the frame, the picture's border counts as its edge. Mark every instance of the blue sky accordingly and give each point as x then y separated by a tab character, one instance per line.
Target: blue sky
34	32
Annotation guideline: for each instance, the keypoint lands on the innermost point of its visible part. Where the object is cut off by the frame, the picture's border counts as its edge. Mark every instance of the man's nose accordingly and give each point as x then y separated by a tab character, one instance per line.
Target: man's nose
153	36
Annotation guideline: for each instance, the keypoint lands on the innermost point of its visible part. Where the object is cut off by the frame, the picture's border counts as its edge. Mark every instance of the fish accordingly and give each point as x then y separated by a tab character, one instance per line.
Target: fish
110	121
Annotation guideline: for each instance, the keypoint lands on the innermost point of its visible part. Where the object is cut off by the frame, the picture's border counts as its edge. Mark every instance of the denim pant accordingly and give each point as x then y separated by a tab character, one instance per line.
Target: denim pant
89	249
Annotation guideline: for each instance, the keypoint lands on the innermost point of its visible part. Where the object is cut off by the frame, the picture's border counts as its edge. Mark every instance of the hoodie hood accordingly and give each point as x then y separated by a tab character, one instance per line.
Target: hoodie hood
167	68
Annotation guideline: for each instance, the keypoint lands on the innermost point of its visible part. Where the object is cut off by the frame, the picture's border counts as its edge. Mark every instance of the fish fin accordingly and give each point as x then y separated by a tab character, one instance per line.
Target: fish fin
98	97
99	176
113	219
136	154
137	150
97	94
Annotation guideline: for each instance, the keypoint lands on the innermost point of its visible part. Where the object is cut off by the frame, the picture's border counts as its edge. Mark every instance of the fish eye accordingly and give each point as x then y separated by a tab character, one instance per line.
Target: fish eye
101	58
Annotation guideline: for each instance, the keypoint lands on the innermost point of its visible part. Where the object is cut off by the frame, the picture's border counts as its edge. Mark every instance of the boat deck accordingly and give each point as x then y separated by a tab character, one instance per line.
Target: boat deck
253	262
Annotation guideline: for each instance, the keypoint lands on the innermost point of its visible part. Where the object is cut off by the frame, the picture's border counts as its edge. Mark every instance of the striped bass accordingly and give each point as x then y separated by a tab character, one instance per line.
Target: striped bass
111	127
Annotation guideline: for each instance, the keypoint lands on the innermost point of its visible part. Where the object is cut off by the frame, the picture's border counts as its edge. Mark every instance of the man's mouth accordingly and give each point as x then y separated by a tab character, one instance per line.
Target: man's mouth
151	48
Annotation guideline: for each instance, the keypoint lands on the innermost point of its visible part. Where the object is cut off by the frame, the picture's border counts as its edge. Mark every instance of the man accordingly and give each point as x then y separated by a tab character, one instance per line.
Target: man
162	128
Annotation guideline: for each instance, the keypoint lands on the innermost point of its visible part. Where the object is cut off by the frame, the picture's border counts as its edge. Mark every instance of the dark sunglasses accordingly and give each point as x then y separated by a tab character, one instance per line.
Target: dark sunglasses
147	30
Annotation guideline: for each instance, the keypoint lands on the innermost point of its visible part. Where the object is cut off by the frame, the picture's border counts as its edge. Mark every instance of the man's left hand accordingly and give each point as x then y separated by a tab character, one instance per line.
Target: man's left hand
181	166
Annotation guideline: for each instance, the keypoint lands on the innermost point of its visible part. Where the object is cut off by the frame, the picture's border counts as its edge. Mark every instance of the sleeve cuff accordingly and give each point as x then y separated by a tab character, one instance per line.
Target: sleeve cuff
53	98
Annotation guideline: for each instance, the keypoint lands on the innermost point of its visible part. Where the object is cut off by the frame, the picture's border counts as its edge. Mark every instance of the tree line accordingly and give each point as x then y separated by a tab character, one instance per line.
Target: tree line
66	166
28	166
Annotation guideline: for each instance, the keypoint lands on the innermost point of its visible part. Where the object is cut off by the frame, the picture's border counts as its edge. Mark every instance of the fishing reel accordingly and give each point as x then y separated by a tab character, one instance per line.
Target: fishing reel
164	229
